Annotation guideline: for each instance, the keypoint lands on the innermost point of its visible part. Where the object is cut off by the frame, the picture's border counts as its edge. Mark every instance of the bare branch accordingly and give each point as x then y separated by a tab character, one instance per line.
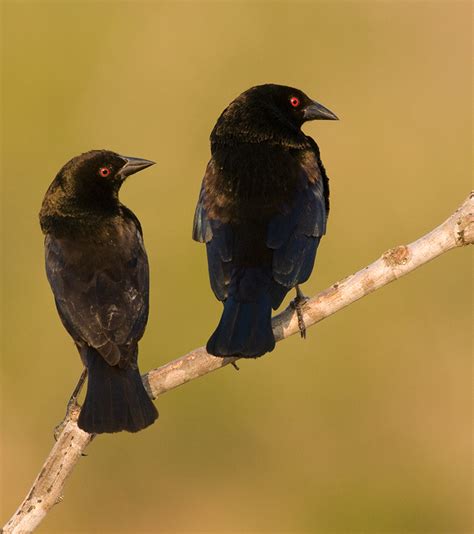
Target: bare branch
46	491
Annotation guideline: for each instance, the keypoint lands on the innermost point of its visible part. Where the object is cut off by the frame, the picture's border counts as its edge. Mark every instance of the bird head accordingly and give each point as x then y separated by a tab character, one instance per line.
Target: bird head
98	174
271	113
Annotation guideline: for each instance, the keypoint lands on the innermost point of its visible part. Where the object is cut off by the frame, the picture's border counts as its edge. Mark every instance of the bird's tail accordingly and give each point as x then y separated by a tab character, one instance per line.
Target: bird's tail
116	399
245	329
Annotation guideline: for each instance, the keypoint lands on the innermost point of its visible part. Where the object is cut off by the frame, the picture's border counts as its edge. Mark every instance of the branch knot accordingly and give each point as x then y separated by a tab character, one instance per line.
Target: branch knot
396	256
464	230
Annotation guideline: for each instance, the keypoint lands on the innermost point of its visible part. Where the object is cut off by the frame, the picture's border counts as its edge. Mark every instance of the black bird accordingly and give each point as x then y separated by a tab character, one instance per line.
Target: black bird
98	270
262	211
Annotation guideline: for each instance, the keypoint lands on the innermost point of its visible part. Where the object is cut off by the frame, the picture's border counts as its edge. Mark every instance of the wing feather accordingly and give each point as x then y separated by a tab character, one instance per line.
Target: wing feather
101	295
218	237
295	233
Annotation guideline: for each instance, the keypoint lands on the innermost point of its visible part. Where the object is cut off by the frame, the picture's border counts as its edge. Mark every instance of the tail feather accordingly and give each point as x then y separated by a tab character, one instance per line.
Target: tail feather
116	399
245	329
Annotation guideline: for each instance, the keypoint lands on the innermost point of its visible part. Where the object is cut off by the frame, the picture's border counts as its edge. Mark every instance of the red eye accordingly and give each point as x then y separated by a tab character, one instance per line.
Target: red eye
295	102
104	171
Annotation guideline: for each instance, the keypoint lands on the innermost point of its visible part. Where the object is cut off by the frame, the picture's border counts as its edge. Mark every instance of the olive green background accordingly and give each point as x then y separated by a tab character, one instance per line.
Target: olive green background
364	427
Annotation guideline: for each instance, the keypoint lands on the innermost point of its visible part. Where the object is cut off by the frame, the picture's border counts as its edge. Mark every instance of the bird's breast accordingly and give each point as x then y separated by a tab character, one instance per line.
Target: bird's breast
251	181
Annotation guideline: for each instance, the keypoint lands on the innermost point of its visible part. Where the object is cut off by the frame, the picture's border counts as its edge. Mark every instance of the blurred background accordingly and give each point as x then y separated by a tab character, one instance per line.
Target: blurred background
364	427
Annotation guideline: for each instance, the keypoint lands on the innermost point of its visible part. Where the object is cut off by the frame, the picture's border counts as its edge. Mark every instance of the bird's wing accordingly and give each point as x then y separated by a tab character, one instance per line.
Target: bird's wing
294	234
218	237
102	300
202	230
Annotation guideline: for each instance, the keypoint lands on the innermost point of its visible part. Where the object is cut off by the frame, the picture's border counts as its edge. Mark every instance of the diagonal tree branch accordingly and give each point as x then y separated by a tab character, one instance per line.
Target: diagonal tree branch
456	231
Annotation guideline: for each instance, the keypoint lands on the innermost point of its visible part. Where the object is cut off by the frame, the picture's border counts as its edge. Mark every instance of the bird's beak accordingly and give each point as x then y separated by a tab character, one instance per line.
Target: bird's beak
317	111
133	165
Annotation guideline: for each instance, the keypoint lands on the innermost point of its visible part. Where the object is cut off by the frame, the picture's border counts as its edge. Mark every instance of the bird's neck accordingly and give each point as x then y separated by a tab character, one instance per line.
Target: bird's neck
65	211
243	132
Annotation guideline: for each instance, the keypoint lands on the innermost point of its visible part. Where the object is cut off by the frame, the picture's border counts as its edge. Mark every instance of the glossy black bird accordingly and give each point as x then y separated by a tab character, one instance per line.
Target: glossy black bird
262	211
98	270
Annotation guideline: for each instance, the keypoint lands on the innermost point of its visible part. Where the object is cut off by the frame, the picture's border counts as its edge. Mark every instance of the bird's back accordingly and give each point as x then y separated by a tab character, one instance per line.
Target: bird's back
100	282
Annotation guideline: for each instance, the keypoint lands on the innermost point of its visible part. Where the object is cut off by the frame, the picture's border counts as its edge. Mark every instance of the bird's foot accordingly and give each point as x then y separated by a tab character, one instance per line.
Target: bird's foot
298	304
73	408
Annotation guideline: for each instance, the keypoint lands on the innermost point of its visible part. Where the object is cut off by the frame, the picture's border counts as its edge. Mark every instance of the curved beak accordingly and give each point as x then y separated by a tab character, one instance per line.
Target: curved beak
316	111
133	165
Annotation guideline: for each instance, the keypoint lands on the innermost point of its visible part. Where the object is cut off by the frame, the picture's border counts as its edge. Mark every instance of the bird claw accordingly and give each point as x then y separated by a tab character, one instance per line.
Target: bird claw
73	408
298	304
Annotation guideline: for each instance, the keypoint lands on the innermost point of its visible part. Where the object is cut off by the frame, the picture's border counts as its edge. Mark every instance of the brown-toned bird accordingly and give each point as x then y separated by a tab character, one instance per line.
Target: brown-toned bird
98	270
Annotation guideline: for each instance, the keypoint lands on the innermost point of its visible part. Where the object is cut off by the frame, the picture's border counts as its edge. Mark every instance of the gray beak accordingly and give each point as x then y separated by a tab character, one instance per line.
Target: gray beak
317	111
133	165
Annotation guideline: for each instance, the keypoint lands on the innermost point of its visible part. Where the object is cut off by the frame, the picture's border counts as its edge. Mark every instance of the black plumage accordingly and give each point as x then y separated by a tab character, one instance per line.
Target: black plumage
98	270
262	211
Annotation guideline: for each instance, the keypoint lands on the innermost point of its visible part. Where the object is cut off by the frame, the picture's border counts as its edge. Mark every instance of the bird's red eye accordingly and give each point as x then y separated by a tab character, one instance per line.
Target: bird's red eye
295	102
104	171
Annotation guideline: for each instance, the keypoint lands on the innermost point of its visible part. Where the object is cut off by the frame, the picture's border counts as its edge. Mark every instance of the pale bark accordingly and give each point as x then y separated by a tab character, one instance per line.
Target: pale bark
47	489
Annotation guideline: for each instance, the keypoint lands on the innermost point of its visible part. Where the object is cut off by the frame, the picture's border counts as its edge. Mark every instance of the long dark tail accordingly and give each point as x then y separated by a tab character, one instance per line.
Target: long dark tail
116	399
245	329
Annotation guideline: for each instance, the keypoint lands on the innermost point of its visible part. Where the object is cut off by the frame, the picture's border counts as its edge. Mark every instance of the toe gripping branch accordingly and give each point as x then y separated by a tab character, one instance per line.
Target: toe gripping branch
73	408
298	304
